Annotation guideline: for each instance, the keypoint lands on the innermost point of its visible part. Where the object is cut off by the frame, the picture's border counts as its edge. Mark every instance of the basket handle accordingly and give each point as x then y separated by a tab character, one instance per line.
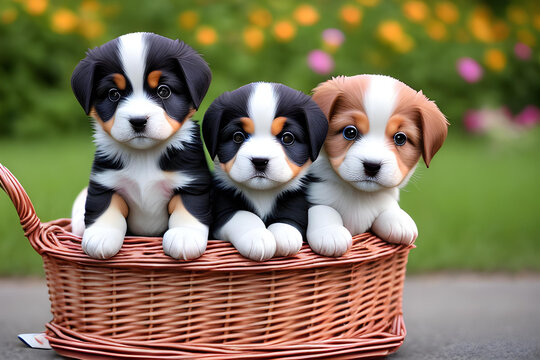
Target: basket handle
29	220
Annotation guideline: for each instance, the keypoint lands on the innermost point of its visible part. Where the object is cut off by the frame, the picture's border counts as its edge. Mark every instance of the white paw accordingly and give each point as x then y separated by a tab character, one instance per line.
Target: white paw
288	239
395	226
257	244
184	243
331	240
100	242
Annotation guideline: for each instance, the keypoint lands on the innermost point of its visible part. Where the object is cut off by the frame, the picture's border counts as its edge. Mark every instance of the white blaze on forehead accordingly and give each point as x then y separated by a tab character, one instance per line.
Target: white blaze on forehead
261	107
133	56
380	102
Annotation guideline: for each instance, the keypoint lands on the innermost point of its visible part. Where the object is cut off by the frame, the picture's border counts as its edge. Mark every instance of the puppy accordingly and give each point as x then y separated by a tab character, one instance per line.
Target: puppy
265	136
149	175
379	128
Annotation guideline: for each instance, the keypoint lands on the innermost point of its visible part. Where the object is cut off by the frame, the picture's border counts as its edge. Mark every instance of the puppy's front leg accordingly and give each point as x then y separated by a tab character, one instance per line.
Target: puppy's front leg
187	236
326	234
248	234
105	236
396	226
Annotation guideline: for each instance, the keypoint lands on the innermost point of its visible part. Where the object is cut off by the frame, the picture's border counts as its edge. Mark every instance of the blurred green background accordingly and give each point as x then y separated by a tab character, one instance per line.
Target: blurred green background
478	205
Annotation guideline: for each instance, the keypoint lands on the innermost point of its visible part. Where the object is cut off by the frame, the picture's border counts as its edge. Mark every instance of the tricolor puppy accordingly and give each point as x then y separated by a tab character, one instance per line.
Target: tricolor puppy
265	136
378	129
149	175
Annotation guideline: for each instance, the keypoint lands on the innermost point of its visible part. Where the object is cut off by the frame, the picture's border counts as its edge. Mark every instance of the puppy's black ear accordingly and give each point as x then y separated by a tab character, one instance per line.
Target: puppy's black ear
317	126
196	72
82	83
210	127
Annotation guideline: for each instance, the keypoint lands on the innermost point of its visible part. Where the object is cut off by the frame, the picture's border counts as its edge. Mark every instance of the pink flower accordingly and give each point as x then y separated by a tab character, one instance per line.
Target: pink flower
528	116
474	121
469	69
320	62
522	51
333	37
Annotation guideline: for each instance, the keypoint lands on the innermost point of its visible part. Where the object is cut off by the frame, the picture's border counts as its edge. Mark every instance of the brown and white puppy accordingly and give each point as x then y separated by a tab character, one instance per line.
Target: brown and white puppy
149	176
378	130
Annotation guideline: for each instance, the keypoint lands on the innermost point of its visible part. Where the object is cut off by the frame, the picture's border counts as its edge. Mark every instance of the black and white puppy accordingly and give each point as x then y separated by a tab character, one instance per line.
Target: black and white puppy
265	136
149	176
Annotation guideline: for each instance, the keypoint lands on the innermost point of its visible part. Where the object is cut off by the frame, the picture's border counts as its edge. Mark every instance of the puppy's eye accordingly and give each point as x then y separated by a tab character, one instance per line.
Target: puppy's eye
163	91
287	138
350	132
239	137
114	95
400	138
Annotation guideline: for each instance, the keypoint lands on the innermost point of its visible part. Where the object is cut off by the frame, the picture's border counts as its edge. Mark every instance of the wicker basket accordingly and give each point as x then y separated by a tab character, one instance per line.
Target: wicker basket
142	304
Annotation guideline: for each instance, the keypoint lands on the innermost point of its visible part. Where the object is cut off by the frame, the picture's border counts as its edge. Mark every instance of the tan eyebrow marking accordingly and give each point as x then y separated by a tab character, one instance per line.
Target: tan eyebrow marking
120	81
247	125
277	125
153	78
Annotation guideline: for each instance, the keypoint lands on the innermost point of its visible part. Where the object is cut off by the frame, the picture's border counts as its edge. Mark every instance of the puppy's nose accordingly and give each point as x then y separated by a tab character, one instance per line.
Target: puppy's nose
260	164
371	169
138	123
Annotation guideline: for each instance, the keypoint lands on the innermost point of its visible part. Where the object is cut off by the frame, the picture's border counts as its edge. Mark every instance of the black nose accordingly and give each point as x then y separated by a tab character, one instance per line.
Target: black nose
138	123
259	163
371	169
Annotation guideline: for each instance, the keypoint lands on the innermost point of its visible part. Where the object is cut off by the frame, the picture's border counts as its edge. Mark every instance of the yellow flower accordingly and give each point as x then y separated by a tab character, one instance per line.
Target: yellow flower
368	3
253	37
284	31
405	45
526	37
480	24
436	30
390	31
8	16
36	7
306	15
91	29
447	12
188	19
351	15
90	6
517	15
260	17
495	59
64	21
206	35
415	11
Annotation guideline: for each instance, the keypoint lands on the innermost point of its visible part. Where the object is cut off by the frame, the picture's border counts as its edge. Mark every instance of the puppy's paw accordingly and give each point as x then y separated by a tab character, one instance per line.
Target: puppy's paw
395	226
257	244
184	243
288	239
331	240
102	242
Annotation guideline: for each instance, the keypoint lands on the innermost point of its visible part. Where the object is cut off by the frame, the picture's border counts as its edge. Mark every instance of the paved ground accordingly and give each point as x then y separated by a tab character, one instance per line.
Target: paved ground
447	317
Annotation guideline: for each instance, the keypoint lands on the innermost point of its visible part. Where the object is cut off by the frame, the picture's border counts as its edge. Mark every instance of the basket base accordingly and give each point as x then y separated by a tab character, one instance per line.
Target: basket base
74	345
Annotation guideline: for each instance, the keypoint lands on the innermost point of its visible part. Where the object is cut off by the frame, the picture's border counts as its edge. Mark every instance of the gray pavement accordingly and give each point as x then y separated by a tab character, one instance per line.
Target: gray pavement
447	317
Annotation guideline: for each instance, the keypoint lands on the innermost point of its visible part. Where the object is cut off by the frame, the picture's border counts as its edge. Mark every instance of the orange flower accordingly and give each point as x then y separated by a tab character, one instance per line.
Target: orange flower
64	21
436	30
495	59
390	31
90	6
8	16
415	11
91	29
368	3
480	24
447	12
351	15
284	31
206	35
405	45
536	21
253	37
260	17
36	7
517	15
188	19
306	15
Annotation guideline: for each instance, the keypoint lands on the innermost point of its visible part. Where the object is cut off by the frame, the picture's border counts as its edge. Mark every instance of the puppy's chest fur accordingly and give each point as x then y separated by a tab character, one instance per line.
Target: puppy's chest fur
358	208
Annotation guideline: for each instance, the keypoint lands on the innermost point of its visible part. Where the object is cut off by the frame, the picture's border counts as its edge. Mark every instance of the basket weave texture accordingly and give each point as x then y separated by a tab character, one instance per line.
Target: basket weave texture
142	304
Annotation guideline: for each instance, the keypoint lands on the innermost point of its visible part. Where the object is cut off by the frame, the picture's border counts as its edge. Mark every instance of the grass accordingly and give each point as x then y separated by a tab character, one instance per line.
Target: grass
477	207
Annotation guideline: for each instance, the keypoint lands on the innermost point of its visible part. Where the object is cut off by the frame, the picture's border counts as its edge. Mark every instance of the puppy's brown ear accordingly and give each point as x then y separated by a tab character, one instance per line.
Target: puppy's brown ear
211	125
434	127
82	83
326	96
196	72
